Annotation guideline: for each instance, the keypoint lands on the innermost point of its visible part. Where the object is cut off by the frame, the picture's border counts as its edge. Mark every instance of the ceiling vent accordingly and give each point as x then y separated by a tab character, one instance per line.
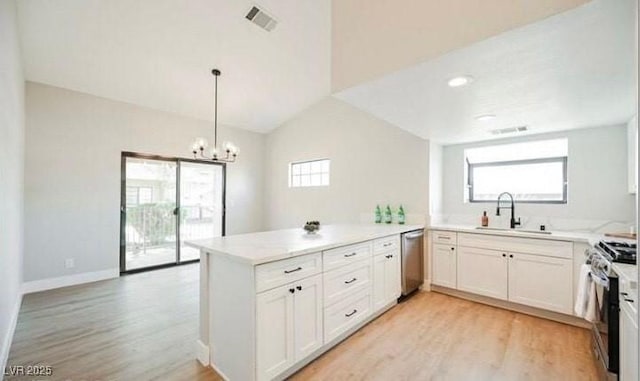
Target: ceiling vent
261	18
509	130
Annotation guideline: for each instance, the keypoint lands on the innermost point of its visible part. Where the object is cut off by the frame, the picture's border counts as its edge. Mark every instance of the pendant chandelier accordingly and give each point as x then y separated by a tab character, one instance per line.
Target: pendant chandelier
229	151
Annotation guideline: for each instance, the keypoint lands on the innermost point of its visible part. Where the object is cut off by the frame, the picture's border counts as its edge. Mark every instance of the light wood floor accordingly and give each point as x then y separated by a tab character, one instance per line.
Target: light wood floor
143	326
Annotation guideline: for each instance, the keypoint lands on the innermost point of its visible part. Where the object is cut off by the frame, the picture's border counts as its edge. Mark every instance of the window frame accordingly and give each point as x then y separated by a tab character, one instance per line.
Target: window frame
290	177
559	159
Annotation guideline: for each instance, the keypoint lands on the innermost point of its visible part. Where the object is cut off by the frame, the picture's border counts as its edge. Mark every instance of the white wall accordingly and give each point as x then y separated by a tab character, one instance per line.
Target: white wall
372	162
597	190
72	175
11	174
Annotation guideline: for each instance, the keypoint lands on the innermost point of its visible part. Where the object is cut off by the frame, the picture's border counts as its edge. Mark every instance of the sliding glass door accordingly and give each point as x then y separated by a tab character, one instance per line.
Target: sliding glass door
201	199
165	201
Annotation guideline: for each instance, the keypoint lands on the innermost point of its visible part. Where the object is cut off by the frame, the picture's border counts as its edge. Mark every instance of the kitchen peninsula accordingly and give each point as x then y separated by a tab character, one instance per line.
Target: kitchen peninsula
271	302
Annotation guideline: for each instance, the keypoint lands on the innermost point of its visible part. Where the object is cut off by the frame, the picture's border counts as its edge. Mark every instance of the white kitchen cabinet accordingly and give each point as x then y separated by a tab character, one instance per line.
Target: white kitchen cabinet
274	341
386	279
628	343
289	325
483	272
632	152
444	265
542	282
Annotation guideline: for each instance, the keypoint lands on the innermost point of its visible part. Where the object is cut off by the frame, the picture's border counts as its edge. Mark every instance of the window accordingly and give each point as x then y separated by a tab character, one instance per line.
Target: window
533	172
309	173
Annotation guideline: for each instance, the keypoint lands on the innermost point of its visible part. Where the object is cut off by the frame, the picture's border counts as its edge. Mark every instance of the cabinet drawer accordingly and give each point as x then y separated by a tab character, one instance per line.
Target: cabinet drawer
539	246
346	314
444	237
345	255
275	274
386	244
345	281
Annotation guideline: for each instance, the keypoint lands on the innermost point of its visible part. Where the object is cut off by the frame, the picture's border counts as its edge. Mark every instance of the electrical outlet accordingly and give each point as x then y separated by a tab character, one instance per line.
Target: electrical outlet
69	263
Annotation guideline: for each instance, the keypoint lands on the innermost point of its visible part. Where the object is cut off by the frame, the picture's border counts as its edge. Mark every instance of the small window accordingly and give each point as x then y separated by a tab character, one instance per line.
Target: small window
312	173
533	172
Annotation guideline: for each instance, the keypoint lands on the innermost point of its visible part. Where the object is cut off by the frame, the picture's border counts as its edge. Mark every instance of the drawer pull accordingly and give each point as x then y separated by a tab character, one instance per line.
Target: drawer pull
292	271
443	237
387	244
350	281
624	294
351	314
389	256
291	290
628	300
350	255
299	288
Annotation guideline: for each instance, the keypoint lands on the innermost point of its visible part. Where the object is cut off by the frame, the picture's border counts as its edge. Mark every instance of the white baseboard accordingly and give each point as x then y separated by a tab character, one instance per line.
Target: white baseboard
69	280
202	353
6	345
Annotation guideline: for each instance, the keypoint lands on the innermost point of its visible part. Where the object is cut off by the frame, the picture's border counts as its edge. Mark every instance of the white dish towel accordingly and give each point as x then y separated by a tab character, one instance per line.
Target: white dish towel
584	291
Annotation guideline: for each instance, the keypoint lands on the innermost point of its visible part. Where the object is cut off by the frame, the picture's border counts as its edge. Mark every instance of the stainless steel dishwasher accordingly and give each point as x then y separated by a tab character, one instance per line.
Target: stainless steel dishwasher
412	261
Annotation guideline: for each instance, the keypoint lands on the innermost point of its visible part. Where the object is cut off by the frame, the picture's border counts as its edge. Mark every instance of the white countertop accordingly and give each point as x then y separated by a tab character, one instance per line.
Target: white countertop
263	247
625	271
590	238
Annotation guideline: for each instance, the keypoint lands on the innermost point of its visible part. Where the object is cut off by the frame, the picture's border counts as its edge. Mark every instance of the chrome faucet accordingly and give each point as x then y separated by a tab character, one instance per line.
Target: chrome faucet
513	222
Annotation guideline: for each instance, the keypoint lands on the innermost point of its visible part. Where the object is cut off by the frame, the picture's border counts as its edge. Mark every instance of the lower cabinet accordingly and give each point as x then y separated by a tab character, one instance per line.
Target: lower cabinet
542	282
533	280
444	265
483	272
289	325
628	343
386	275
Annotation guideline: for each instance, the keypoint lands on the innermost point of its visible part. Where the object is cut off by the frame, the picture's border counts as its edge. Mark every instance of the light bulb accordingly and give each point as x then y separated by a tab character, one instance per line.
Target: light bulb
202	143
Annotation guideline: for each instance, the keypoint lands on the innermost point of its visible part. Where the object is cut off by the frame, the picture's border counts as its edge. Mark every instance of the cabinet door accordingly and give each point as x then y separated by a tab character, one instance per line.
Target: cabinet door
444	265
483	272
379	287
274	332
392	284
628	345
542	282
307	312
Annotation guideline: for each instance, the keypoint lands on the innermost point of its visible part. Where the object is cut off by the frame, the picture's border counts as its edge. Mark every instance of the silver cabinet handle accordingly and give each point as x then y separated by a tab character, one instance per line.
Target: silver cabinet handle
292	271
350	281
351	314
350	255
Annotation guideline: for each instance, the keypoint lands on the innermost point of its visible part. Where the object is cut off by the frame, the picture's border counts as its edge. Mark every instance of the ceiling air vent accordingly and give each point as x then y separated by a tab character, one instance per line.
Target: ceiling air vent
261	19
509	130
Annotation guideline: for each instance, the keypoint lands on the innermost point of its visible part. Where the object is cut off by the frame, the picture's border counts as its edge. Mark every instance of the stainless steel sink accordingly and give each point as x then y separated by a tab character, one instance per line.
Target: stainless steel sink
514	230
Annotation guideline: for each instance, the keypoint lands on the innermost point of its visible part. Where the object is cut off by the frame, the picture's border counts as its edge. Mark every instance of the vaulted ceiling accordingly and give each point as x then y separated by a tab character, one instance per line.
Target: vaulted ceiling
159	54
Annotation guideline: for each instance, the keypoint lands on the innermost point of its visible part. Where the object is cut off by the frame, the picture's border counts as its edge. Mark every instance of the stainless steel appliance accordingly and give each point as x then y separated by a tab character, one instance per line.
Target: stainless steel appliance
412	261
605	330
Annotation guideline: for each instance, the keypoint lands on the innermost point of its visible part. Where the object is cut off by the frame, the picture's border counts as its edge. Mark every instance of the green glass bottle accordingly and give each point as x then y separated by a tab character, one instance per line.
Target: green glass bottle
401	216
378	214
387	215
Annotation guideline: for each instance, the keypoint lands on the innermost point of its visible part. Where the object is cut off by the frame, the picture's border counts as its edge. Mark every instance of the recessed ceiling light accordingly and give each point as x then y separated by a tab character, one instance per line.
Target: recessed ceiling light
485	117
460	81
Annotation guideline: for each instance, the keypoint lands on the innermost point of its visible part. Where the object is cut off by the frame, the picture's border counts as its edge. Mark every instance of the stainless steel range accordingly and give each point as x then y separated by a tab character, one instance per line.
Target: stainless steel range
606	336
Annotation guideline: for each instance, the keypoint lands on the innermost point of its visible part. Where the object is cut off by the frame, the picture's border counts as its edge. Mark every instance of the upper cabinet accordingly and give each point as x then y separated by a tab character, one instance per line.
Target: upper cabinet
632	134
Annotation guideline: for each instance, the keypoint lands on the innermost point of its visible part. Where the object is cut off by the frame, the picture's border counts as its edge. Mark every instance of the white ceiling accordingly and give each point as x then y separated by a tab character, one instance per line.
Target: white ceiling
159	54
572	70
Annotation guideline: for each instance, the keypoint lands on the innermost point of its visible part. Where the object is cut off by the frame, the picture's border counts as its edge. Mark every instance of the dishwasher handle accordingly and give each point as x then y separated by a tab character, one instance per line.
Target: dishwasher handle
413	235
